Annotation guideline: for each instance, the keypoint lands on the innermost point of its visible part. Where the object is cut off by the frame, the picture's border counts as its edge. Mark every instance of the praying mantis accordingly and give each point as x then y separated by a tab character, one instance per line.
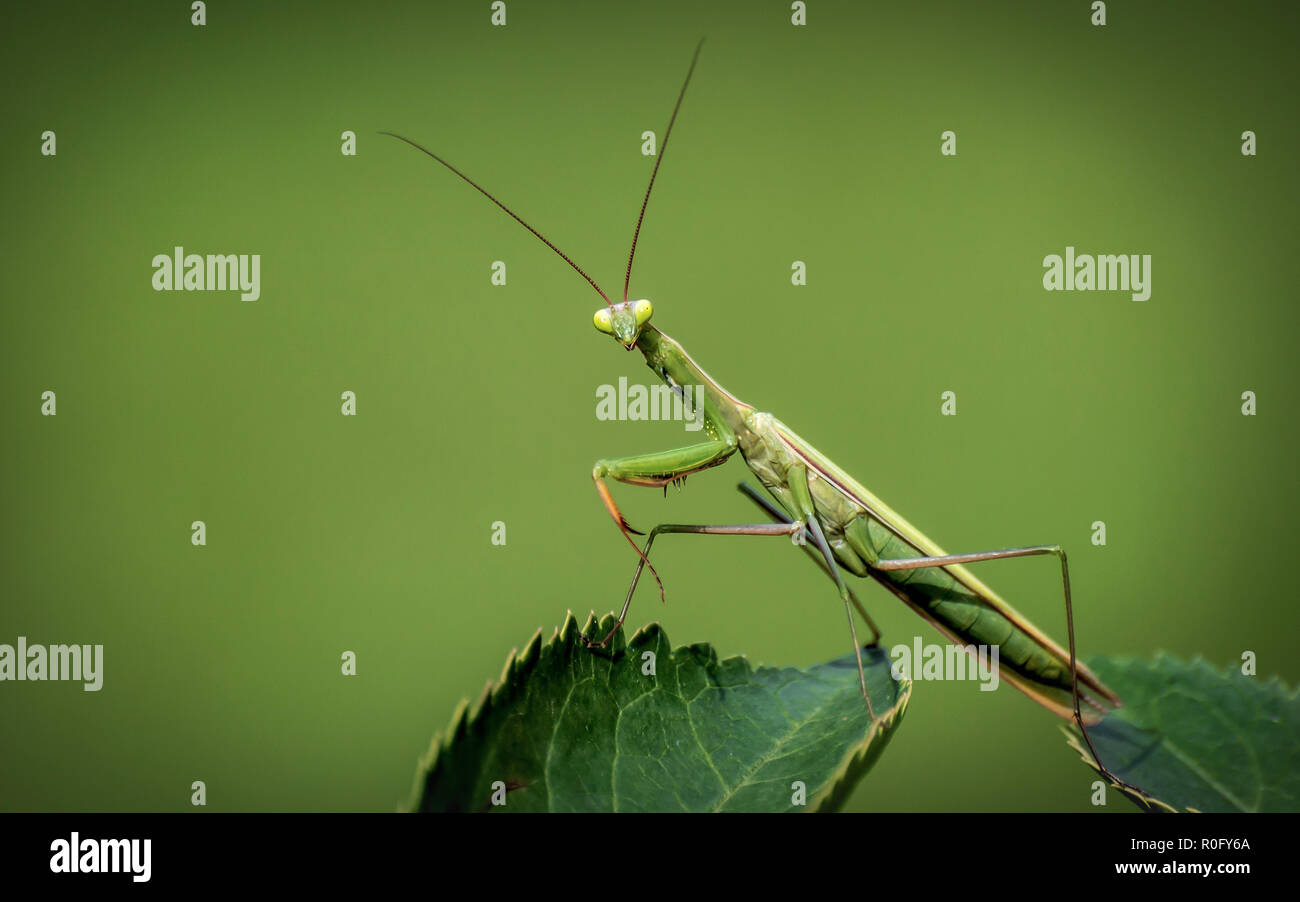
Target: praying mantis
842	525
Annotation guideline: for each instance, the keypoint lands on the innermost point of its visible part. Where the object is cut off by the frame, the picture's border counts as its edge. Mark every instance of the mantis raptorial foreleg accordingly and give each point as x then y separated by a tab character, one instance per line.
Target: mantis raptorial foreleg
659	469
920	563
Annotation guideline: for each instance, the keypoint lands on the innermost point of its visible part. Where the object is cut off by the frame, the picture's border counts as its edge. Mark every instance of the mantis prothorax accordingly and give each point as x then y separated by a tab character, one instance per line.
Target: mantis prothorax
841	524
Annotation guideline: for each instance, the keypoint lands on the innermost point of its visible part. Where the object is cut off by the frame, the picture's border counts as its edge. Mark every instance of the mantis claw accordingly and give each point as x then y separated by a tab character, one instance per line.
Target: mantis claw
627	527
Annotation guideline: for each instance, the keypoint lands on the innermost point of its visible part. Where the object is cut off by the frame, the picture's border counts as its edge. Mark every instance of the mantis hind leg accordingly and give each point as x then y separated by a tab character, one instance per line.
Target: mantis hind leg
813	553
918	563
787	528
745	529
801	495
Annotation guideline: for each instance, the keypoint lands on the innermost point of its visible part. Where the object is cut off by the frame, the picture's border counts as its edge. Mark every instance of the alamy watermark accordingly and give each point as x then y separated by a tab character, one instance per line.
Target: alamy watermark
57	662
1102	272
946	662
180	271
651	402
102	856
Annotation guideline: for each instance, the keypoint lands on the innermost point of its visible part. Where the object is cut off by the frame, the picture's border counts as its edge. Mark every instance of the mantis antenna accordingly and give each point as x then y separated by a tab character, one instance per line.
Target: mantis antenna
659	158
512	213
645	201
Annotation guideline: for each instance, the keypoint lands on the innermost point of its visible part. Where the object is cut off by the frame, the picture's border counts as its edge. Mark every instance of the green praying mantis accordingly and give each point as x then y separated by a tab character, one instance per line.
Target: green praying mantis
843	526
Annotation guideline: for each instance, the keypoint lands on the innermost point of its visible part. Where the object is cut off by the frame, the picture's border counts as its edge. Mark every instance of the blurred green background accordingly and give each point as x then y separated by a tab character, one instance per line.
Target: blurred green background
476	403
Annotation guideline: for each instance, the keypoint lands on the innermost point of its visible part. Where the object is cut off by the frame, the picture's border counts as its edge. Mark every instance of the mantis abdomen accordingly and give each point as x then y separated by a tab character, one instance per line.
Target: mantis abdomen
862	532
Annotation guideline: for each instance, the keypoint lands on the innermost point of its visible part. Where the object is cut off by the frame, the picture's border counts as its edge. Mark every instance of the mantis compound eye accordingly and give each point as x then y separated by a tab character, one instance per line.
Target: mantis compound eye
642	310
603	322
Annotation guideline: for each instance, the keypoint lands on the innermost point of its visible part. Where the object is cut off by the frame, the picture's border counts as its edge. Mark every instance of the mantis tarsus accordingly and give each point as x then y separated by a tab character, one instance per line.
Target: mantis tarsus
850	530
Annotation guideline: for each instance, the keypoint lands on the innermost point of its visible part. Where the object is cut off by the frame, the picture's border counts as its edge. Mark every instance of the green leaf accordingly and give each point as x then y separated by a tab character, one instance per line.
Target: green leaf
572	729
1195	739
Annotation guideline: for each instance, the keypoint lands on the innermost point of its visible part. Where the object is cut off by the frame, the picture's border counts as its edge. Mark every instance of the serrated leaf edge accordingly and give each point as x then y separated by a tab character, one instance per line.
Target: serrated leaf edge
831	798
518	664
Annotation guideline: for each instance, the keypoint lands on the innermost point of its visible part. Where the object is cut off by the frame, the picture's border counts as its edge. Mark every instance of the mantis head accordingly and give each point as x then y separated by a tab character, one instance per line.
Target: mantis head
624	321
